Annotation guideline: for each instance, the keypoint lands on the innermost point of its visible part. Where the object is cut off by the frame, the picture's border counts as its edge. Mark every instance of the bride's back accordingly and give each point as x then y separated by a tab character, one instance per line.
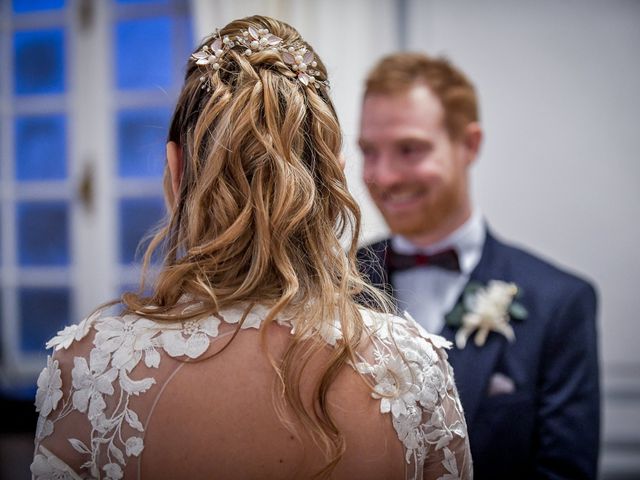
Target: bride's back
172	399
217	419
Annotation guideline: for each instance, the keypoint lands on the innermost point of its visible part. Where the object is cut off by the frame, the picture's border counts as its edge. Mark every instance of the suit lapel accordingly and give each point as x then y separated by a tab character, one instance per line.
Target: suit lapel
474	365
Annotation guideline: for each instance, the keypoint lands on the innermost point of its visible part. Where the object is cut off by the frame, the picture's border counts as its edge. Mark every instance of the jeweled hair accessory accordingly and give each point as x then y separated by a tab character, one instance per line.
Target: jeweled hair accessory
297	57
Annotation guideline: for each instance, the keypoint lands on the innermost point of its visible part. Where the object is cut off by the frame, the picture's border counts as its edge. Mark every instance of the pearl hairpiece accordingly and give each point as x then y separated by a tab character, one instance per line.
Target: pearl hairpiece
297	57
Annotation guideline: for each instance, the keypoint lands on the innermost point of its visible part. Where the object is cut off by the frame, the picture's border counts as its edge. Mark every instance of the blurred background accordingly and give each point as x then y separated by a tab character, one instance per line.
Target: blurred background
87	88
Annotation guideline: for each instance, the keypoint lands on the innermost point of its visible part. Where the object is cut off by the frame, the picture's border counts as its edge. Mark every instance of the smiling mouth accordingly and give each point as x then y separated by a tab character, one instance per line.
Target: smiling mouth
401	200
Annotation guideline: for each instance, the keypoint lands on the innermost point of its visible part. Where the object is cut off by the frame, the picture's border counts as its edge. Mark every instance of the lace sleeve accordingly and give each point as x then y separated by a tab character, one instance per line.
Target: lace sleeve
55	456
448	456
415	384
88	425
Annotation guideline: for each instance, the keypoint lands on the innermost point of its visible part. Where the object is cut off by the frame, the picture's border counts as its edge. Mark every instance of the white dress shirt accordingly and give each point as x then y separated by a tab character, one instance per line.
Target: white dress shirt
429	293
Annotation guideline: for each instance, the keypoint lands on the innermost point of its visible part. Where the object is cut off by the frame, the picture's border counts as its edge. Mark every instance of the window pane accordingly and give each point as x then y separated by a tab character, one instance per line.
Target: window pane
144	53
39	60
43	311
141	142
43	233
41	152
137	217
24	6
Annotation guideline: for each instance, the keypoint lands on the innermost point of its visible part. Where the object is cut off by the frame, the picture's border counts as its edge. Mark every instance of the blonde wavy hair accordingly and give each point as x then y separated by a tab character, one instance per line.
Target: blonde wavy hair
259	215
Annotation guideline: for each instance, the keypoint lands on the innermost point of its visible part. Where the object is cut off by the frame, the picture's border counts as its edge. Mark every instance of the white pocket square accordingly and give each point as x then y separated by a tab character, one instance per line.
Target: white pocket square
500	384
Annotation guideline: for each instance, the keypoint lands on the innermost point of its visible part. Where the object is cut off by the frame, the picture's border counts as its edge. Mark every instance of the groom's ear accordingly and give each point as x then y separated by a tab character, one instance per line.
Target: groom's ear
174	161
472	141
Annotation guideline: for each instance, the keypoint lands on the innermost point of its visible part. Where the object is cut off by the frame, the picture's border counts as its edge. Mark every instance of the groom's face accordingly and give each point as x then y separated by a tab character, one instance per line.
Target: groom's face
415	174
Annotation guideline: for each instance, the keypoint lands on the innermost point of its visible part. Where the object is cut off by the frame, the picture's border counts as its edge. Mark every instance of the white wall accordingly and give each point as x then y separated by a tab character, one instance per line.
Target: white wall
559	171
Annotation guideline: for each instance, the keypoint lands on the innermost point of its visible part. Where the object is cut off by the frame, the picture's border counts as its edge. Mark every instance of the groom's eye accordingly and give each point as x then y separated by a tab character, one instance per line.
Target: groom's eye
368	152
414	149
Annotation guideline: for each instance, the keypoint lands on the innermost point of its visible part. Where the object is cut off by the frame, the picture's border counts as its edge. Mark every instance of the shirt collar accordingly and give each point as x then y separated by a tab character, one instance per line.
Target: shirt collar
467	240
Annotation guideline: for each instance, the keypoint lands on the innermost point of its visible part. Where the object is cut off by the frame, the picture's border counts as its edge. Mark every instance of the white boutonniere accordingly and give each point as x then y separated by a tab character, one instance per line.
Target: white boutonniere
484	309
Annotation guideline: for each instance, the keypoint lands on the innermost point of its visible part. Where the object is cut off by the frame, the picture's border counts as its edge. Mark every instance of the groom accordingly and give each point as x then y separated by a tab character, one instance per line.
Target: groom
527	374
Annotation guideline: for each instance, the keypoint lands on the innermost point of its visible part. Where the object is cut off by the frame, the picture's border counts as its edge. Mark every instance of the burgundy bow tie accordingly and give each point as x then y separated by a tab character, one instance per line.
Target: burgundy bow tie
446	259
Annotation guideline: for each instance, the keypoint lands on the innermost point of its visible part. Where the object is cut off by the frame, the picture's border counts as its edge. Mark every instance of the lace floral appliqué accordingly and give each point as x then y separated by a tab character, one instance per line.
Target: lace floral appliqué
410	386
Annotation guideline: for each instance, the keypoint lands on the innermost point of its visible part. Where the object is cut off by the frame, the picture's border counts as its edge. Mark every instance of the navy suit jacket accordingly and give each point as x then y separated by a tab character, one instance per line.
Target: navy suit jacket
550	426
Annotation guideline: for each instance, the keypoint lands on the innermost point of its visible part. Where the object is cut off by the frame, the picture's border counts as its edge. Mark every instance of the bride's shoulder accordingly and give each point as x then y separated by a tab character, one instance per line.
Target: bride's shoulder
127	336
402	331
413	382
408	365
98	370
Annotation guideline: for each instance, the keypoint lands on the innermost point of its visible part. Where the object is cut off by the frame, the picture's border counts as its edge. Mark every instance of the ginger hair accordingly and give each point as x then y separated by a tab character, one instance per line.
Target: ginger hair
396	73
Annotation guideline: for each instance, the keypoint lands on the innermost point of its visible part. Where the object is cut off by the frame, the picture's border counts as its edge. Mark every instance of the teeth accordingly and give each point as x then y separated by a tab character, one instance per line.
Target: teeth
400	197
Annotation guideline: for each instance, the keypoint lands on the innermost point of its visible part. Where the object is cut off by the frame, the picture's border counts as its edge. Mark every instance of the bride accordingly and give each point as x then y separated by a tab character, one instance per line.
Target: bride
251	357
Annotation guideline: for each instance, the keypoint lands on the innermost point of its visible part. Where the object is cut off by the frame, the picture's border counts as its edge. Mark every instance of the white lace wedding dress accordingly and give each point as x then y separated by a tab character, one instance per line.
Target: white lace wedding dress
107	377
